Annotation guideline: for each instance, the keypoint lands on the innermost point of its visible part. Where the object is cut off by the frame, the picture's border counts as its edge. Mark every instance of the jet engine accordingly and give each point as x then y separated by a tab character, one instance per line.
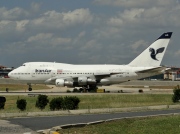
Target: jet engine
86	81
62	83
104	82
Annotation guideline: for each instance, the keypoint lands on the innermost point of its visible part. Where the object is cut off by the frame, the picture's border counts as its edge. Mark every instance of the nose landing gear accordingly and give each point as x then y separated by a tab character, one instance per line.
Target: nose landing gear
30	87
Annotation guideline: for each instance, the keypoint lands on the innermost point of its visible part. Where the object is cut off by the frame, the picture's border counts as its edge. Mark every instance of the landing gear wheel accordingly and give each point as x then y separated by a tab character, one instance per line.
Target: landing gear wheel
30	87
92	88
81	89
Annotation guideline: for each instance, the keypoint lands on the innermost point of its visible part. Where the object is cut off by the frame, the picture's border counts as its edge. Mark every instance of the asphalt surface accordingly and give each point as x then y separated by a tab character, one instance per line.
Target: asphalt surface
7	128
39	123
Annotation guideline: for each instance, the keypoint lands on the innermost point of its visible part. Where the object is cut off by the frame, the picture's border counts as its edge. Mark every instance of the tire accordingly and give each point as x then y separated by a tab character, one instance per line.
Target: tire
30	89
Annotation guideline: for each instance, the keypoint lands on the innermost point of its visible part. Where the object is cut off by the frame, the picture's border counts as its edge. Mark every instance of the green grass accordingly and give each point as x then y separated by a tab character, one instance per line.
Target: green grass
148	125
96	101
124	100
151	87
22	87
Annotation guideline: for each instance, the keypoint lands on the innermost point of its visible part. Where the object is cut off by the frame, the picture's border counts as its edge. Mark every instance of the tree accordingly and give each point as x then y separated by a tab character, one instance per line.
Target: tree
42	101
176	95
2	105
76	101
2	102
56	103
21	104
70	103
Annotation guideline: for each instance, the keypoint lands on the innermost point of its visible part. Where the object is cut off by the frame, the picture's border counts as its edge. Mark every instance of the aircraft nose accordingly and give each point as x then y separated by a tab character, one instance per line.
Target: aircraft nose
10	75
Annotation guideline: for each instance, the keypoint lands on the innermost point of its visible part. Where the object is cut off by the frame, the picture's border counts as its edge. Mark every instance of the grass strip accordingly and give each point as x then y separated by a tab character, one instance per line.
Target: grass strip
146	125
150	87
21	87
96	101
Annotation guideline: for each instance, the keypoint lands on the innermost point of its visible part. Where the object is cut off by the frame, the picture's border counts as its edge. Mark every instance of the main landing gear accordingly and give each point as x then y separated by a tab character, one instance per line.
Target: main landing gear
30	87
88	88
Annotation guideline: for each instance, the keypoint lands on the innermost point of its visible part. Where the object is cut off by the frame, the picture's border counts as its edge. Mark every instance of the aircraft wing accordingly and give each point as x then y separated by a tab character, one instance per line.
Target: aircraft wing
97	76
59	77
153	70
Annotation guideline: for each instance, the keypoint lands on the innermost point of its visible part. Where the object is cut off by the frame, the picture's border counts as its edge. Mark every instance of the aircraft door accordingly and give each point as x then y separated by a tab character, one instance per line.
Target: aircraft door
53	73
33	73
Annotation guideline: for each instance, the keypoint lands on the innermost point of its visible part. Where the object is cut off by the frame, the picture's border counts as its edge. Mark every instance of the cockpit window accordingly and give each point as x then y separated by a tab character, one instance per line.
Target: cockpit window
23	65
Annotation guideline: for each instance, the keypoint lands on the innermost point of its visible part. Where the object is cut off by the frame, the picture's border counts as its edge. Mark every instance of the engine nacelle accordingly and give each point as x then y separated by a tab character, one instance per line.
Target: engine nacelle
59	82
62	83
104	82
86	81
68	83
82	81
91	81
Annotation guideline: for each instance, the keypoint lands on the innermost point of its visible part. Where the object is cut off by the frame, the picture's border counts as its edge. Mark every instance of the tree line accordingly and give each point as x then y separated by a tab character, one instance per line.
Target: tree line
58	103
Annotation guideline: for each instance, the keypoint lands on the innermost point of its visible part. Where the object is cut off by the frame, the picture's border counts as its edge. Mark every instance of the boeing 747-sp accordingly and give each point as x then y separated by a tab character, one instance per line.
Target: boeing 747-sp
88	76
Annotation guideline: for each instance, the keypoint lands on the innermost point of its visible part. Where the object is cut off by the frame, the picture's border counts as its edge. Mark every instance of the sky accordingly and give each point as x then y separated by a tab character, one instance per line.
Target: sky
86	32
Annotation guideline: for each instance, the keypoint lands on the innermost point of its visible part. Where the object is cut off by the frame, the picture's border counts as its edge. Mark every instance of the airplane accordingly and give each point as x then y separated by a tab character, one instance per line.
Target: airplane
144	65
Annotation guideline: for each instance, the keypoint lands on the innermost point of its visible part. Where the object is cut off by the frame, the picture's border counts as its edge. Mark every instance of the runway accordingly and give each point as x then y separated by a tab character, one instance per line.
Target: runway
39	123
145	86
109	90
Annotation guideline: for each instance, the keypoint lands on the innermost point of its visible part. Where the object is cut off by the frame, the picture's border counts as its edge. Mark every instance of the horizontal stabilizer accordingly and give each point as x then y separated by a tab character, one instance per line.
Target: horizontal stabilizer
153	70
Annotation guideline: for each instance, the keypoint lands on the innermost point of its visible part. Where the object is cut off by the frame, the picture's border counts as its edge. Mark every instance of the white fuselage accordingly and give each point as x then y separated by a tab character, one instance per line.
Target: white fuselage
41	72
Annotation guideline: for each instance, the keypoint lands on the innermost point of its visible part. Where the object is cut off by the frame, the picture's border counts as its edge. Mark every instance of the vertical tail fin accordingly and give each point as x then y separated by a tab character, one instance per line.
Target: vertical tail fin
153	55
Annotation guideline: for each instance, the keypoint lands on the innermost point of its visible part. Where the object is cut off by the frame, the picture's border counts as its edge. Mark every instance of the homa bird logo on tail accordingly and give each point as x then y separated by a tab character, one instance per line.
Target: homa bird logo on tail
154	53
